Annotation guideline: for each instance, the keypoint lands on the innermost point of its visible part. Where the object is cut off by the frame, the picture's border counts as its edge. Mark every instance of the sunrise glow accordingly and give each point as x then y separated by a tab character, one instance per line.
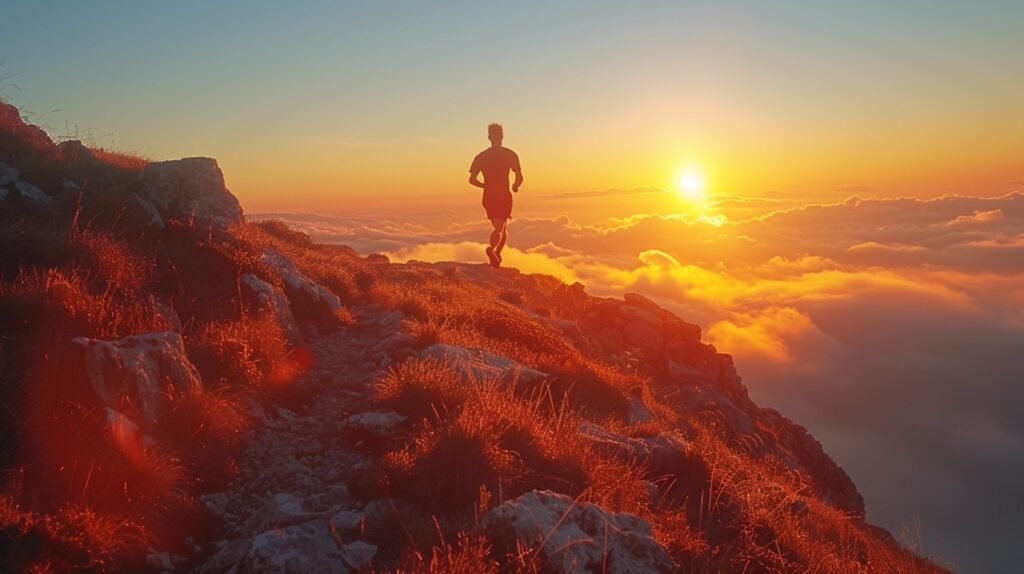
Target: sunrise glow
668	220
690	185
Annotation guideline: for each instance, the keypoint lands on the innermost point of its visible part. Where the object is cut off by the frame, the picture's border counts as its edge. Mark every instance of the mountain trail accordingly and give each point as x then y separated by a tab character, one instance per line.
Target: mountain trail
290	490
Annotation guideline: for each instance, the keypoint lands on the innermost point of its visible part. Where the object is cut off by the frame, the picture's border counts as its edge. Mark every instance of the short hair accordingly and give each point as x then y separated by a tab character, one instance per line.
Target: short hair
495	130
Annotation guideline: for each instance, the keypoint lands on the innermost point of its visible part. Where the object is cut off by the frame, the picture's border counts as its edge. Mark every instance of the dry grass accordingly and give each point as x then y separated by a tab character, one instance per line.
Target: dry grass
120	160
239	354
207	429
70	539
443	310
471	554
336	267
47	308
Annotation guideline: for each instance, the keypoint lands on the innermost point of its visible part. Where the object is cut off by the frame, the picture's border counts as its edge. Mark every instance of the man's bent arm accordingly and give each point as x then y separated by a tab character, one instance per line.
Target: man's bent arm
518	182
474	179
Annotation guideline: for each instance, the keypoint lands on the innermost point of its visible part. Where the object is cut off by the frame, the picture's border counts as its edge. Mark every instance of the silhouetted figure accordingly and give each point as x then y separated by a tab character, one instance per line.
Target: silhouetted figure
495	163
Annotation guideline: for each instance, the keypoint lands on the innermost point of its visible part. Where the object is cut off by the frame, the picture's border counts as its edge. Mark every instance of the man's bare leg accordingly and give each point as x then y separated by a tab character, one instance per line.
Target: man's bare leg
497	241
504	238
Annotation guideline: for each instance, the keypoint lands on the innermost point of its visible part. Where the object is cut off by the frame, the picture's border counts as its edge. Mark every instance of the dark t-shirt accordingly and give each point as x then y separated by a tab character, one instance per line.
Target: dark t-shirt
495	163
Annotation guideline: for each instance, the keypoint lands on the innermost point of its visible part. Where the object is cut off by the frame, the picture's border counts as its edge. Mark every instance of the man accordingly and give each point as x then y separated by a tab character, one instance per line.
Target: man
495	163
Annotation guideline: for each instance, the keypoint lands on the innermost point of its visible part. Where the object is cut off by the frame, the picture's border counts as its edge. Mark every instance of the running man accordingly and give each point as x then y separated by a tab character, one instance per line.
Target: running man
495	162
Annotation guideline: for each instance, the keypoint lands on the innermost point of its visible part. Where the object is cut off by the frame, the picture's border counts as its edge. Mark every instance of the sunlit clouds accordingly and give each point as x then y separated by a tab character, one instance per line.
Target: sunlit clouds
862	318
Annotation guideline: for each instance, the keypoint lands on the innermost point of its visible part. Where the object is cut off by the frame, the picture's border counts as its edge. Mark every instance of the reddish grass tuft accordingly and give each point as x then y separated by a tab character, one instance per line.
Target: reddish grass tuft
120	160
238	354
207	428
71	539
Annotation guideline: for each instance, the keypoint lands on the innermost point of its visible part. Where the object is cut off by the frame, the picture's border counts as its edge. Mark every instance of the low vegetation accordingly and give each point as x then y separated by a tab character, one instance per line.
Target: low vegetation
87	489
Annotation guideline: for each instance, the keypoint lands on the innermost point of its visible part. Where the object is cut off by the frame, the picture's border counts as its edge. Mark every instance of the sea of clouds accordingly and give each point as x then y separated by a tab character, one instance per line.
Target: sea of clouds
892	328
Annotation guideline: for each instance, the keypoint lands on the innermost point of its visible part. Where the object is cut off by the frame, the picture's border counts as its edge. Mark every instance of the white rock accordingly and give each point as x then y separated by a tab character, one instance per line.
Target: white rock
305	295
33	193
299	549
273	301
191	189
379	424
278	511
8	174
159	561
141	368
347	522
576	538
155	219
358	554
612	444
480	365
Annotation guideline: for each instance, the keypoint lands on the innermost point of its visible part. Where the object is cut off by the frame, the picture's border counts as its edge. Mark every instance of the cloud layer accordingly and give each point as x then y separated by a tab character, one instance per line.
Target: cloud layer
892	328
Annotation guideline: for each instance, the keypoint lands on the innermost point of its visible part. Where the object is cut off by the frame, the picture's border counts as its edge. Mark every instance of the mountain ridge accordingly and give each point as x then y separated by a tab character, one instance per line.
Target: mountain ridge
440	413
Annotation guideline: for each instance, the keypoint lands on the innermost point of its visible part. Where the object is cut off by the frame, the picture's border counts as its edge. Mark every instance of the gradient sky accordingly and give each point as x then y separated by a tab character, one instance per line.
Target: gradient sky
374	110
316	105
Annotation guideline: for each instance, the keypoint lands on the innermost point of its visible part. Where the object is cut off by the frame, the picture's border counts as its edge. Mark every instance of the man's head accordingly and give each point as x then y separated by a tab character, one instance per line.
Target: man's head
495	133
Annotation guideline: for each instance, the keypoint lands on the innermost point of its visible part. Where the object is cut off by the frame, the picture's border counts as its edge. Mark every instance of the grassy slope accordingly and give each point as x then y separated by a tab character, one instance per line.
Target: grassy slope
87	267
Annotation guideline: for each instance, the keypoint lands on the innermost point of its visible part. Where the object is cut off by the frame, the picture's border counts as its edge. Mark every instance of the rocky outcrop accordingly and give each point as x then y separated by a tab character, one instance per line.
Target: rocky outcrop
138	371
190	189
298	549
480	365
575	538
308	299
11	184
269	299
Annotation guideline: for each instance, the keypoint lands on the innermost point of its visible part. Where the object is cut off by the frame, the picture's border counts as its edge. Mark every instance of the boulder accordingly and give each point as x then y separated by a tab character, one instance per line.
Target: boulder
150	212
270	299
140	369
575	538
33	194
613	445
480	365
374	425
282	510
190	189
299	549
308	299
8	174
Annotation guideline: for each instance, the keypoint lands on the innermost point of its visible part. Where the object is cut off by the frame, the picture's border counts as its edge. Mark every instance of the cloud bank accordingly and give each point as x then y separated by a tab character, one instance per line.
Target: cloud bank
892	328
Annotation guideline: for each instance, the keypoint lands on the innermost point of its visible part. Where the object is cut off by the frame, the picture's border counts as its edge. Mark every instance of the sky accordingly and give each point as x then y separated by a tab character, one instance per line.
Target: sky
316	105
856	239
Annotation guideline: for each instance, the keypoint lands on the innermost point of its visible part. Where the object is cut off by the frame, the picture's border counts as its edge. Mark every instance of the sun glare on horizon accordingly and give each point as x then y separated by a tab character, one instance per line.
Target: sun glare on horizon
690	185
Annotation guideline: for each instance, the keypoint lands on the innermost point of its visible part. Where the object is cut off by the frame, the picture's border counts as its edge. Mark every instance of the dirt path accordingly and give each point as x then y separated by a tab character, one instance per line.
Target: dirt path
289	498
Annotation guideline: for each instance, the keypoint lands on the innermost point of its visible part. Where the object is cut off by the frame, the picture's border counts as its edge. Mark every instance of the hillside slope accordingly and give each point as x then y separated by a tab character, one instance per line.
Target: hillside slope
188	391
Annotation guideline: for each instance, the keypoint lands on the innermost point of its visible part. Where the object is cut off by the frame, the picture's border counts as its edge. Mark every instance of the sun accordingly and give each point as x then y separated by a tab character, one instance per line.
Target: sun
690	185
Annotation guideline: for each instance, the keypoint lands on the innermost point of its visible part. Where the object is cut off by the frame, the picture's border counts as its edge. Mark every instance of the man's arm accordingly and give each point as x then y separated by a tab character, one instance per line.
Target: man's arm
519	173
474	179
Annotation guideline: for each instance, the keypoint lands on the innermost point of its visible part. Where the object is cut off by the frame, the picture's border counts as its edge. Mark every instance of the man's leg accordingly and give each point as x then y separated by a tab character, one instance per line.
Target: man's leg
498	235
503	238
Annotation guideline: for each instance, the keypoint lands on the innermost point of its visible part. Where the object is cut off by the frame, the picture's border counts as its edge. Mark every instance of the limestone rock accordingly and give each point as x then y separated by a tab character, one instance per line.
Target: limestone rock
299	549
191	189
375	424
8	174
33	194
281	510
271	300
308	299
480	365
140	369
576	538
